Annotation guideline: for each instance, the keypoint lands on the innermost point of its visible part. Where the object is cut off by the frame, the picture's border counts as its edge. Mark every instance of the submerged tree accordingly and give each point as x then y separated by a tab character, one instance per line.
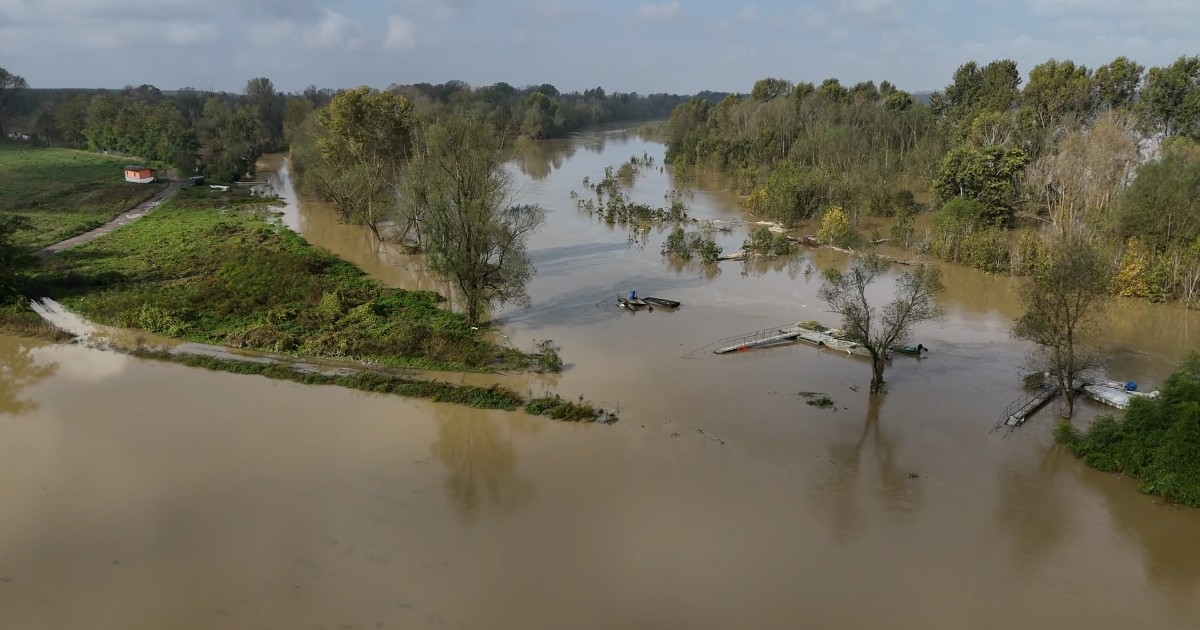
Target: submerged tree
474	234
878	330
363	141
1063	297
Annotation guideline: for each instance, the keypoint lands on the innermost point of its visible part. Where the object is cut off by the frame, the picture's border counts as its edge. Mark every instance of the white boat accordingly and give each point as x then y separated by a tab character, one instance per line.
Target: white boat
1114	394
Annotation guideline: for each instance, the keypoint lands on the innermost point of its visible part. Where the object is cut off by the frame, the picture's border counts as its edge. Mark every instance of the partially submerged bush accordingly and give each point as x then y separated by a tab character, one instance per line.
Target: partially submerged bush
558	408
545	356
686	245
1157	442
835	227
763	242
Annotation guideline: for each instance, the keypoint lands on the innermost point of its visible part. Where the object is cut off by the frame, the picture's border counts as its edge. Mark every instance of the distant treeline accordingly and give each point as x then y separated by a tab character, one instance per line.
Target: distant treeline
541	111
1109	153
222	134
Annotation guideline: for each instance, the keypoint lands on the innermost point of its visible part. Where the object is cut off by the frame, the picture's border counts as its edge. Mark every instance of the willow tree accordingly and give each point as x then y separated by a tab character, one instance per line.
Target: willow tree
364	139
474	233
1063	297
879	329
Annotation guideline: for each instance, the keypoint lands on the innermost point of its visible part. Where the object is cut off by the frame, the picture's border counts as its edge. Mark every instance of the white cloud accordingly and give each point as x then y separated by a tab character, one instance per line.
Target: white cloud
334	31
748	13
871	7
140	32
440	9
557	10
659	11
401	33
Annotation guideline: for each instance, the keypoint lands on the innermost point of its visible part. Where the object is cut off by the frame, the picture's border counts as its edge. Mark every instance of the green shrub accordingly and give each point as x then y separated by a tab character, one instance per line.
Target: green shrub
686	245
835	227
558	408
1157	442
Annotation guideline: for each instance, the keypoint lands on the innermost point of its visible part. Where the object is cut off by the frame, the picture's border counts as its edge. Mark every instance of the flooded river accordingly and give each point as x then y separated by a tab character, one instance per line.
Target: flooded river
139	494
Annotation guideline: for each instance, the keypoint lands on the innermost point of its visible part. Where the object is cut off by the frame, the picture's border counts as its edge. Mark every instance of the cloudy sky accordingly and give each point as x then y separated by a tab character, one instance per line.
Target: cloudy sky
678	46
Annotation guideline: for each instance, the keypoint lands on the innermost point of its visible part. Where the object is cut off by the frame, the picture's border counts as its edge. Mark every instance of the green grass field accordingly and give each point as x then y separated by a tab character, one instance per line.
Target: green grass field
64	192
210	267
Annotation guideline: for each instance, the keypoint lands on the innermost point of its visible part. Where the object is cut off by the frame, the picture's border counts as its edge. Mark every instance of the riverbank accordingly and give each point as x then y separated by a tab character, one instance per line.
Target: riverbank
209	267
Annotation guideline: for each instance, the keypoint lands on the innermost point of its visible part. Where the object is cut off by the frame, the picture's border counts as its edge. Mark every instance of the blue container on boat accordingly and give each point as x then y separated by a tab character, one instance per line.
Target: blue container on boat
1130	386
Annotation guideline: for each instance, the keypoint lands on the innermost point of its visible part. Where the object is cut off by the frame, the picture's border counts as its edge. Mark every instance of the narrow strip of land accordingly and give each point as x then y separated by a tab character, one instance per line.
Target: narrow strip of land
138	211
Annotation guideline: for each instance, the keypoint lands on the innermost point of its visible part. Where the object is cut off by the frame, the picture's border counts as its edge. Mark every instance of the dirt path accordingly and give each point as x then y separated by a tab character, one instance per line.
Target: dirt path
137	212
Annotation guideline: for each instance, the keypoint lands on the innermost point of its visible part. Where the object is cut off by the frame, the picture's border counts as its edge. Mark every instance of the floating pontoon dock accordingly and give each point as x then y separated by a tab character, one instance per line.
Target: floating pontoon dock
1111	393
1020	409
796	332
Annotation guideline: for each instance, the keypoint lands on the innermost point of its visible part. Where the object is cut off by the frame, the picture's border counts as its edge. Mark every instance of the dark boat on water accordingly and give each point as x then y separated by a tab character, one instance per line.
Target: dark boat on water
660	302
632	304
913	350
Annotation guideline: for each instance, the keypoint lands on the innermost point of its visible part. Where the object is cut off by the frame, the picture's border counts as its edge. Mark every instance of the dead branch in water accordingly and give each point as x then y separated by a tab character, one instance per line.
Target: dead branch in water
809	240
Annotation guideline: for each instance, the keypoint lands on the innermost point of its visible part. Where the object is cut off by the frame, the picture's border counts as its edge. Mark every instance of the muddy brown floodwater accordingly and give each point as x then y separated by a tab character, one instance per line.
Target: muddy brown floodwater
147	495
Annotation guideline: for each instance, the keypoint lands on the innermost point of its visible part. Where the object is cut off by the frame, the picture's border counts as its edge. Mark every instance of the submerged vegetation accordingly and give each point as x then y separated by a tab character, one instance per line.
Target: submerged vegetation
698	244
614	207
493	397
1157	441
763	242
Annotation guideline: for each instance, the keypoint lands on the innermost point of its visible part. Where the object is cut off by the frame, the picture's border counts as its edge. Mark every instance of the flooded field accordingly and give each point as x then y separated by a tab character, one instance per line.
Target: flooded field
140	494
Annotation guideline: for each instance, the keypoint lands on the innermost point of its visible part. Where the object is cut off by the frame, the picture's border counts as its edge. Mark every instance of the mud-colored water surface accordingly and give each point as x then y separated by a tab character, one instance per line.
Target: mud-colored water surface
139	494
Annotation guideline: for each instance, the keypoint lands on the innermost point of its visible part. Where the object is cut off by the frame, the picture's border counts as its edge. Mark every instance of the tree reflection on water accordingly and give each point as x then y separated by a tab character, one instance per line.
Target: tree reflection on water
19	370
897	491
477	449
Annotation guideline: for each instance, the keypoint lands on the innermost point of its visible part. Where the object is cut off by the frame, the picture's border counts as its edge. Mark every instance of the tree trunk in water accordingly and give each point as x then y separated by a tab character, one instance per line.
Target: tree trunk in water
877	365
1069	402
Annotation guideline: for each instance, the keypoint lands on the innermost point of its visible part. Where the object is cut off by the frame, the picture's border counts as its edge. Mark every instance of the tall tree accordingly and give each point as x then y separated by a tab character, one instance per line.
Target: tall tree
1063	297
1170	100
10	85
1076	185
1161	206
364	139
295	112
231	140
770	88
833	91
881	329
70	121
1057	89
1117	83
988	174
974	89
260	95
474	233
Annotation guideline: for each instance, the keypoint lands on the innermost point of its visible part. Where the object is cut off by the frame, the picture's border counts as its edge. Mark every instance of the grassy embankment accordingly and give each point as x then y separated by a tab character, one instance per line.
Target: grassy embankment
210	267
207	267
64	192
1157	442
